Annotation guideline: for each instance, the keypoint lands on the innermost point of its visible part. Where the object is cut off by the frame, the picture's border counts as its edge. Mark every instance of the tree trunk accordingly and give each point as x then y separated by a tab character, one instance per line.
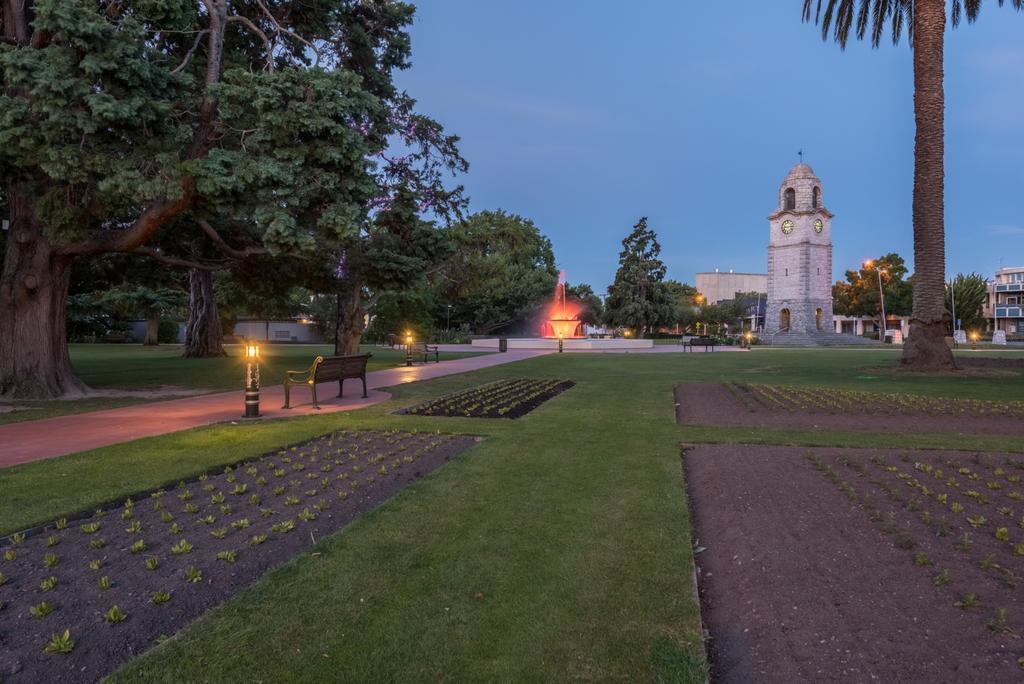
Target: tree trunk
351	321
34	361
152	338
203	333
925	348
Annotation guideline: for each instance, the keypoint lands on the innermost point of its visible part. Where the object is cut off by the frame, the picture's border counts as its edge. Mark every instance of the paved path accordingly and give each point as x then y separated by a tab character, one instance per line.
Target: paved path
38	439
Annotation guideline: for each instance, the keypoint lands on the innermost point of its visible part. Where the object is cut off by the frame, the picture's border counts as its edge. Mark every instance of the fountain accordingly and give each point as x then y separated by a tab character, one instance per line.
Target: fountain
561	327
562	323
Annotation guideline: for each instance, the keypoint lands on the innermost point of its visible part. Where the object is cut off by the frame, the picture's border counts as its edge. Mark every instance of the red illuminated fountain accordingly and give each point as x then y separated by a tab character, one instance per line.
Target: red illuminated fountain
563	316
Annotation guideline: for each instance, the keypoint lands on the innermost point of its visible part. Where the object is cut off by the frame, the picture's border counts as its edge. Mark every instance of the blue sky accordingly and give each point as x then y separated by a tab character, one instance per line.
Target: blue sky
585	115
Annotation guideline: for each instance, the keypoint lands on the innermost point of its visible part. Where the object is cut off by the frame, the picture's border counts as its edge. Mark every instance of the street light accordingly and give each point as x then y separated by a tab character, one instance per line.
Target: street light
252	380
408	348
881	293
448	321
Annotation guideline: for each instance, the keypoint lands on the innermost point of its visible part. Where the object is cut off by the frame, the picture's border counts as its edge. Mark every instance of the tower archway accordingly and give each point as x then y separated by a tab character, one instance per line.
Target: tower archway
784	319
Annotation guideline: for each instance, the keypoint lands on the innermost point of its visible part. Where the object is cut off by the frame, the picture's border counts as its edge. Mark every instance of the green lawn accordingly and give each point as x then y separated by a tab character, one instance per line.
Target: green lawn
134	367
557	548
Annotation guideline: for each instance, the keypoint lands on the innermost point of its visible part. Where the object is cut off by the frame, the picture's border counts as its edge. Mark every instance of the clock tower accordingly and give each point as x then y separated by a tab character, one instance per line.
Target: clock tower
800	258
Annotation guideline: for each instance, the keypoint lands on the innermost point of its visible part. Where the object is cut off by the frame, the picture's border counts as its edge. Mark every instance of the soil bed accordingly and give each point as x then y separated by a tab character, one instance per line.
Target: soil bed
851	564
511	398
264	512
780	406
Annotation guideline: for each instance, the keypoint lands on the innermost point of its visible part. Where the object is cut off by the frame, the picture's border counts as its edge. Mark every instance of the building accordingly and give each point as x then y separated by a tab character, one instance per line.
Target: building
1004	301
717	286
800	258
300	330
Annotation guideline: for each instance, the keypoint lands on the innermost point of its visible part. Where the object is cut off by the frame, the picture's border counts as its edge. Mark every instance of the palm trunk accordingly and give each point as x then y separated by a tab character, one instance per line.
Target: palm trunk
34	361
203	332
926	348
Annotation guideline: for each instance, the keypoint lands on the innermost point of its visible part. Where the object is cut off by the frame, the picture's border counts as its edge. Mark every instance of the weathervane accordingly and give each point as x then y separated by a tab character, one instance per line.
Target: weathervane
800	152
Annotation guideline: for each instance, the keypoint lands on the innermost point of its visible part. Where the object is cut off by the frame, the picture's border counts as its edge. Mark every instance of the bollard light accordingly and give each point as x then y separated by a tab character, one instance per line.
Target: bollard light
561	342
252	380
974	340
408	348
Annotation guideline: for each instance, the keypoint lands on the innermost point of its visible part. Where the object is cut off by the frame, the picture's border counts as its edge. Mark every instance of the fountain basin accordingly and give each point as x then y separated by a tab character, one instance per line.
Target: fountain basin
569	343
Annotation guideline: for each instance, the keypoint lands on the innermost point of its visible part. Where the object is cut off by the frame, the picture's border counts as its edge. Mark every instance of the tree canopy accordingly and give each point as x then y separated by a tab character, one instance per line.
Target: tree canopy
859	294
500	270
260	128
965	296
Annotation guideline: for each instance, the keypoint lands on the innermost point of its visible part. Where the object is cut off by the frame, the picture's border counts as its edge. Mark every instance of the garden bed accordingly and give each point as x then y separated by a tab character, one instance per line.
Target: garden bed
826	564
783	406
511	398
166	558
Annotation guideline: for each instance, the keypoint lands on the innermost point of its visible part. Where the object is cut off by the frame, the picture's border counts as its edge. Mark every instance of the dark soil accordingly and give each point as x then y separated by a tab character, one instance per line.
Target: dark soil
512	398
822	564
990	361
334	479
729	405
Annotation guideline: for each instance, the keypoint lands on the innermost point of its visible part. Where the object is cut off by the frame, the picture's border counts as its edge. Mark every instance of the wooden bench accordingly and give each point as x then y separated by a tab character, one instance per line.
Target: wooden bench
700	342
326	369
425	350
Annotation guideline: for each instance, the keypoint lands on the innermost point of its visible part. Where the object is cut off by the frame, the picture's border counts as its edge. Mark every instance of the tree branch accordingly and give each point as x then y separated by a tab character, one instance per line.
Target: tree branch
156	255
249	24
281	29
192	51
223	246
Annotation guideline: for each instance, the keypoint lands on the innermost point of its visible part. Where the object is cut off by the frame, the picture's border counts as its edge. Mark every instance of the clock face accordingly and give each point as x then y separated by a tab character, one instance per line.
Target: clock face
818	226
787	227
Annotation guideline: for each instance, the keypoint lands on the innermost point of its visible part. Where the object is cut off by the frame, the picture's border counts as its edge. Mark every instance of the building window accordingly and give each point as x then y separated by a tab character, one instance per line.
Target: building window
815	198
787	271
790	198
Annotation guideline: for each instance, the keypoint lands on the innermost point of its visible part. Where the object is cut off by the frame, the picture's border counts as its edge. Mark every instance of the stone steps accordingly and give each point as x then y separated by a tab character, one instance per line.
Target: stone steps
815	338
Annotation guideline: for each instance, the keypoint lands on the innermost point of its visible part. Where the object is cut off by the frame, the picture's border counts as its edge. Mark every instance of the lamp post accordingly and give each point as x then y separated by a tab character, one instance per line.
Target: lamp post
561	341
408	348
881	294
448	320
252	380
974	340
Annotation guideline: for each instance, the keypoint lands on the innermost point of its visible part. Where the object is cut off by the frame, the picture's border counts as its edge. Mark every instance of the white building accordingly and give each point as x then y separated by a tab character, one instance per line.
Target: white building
800	258
719	286
1004	302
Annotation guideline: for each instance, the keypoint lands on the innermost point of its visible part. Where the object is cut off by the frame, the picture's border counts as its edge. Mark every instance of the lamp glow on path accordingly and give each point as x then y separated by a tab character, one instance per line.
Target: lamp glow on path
252	380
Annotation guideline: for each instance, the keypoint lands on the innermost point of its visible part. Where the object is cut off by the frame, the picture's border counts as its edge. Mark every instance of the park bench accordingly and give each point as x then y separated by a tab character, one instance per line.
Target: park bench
425	350
700	342
326	369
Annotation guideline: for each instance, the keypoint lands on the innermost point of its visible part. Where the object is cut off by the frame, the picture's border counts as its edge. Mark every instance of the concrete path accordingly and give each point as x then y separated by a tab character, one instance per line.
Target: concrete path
38	439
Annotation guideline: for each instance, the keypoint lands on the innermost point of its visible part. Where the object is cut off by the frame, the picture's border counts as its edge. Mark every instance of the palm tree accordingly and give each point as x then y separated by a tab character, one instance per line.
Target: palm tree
925	22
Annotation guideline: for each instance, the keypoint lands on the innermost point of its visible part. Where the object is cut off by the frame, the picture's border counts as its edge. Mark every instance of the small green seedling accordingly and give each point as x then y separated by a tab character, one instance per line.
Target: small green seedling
160	597
166	517
50	560
1002	534
219	532
115	615
152	563
240	524
181	547
95	564
922	560
139	546
999	622
134	528
10	554
208	520
48	584
40	611
193	575
61	523
97	543
258	539
967	601
104	583
228	556
91	528
943	578
60	643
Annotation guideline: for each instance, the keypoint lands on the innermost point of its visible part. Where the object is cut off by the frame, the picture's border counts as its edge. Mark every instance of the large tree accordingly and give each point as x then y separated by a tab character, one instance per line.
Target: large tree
925	23
638	300
501	269
125	123
859	294
965	297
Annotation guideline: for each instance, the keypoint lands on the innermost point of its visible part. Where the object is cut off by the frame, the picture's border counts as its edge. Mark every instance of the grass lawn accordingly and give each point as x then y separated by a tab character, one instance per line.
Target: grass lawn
135	367
557	548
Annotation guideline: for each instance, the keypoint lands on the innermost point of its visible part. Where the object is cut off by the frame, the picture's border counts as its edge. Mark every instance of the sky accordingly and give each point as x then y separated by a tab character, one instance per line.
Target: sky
583	115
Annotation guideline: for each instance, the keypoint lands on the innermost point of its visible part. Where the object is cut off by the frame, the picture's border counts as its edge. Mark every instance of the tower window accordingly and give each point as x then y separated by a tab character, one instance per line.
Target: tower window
815	197
790	198
787	271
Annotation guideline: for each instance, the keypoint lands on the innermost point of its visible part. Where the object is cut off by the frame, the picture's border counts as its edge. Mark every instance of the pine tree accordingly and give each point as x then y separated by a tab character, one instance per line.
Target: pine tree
638	300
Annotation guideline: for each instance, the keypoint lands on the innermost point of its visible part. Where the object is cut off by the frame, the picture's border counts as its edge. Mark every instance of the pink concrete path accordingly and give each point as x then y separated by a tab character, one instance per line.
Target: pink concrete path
38	439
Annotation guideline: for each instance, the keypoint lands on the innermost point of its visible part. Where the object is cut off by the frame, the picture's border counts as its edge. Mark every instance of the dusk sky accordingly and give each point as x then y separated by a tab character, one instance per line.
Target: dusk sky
584	116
